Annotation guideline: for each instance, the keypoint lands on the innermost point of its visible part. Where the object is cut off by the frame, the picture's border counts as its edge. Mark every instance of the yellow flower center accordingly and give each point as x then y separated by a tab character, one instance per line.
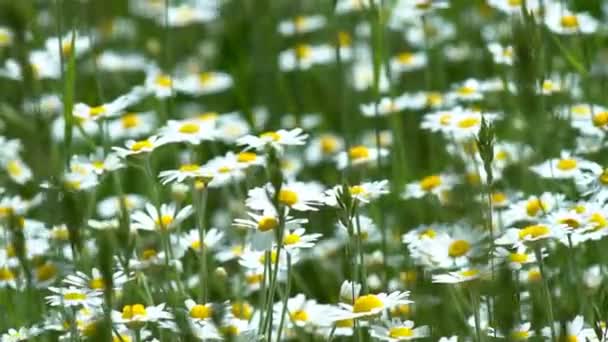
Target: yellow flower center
164	81
121	338
141	145
459	248
189	168
267	223
5	38
200	311
358	152
401	310
189	128
246	157
67	48
74	296
164	221
97	284
367	303
329	145
520	335
131	311
344	39
397	332
600	119
429	233
356	190
405	58
534	275
430	182
206	77
514	3
571	338
345	323
570	222
469	122
14	168
300	23
273	257
291	239
6	274
46	272
303	51
534	206
196	245
598	220
434	99
469	273
519	258
253	279
273	136
466	90
130	121
299	315
604	177
569	21
230	330
288	197
97	111
445	119
498	197
241	310
534	231
566	164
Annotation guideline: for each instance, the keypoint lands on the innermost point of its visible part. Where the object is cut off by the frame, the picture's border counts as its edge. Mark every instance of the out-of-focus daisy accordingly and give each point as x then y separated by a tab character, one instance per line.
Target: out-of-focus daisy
386	106
202	83
562	21
199	313
304	56
168	217
192	131
159	83
360	155
530	233
110	207
515	259
501	54
132	125
298	239
138	314
575	330
192	239
301	24
17	170
514	6
396	330
294	195
408	61
437	184
275	139
111	109
372	304
73	296
6	37
95	281
323	147
66	45
567	166
460	276
185	171
532	208
134	147
364	192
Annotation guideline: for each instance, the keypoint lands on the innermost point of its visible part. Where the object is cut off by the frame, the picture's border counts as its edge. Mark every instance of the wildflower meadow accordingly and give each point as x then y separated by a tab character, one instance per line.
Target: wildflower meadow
303	170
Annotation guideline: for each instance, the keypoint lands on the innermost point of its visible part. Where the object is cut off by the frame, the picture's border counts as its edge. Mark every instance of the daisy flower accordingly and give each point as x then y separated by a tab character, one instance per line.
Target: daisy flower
360	155
461	276
95	281
512	7
372	304
137	314
298	196
134	147
132	125
501	54
110	206
199	313
18	171
515	259
203	83
397	330
301	24
275	139
185	172
159	83
530	233
192	131
72	296
192	239
386	106
532	208
301	312
304	56
562	21
108	110
363	193
323	147
167	219
264	227
298	239
575	330
567	166
408	61
437	184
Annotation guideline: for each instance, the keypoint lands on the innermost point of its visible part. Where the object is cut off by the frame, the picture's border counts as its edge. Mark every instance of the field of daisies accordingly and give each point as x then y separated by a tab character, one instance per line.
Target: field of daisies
319	170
